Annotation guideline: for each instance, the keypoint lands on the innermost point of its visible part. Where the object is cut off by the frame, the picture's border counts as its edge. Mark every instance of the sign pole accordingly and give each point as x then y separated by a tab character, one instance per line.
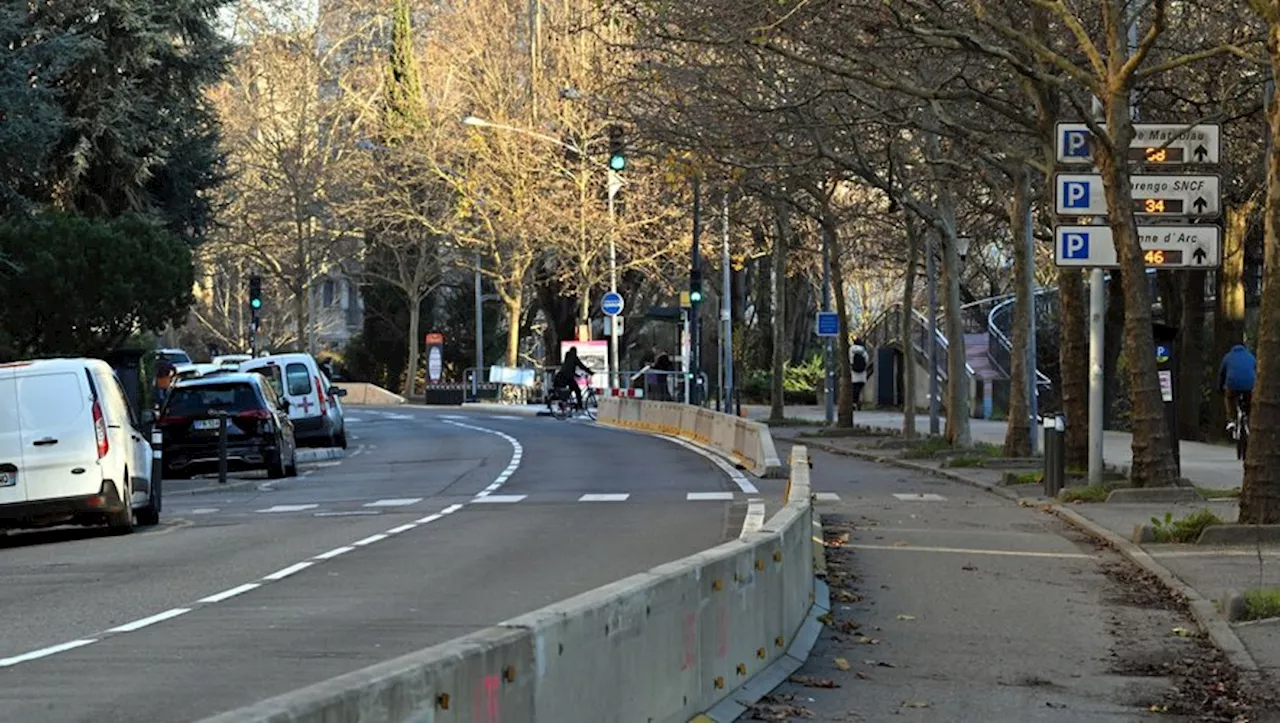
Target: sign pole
826	306
615	378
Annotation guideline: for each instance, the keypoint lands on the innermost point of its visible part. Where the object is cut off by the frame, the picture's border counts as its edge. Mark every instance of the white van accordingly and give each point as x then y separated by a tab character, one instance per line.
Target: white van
71	451
314	404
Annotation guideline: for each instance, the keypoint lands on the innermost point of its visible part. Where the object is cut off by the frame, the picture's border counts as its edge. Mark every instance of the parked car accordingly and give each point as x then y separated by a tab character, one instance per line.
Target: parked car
314	404
259	432
231	360
173	356
71	448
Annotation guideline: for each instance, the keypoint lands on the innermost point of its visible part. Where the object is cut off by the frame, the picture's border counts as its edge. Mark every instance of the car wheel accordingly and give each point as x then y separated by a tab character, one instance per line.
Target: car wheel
342	439
291	470
275	466
121	523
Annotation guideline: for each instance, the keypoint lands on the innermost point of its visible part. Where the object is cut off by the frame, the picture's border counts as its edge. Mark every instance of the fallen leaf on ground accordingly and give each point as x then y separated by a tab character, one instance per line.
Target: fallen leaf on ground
879	664
809	681
970	567
848	626
1159	709
864	640
846	596
843	664
916	704
826	619
1182	632
906	617
861	675
899	543
779	712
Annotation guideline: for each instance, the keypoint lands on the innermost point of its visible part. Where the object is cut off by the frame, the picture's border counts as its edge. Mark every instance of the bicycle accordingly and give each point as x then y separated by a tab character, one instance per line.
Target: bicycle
563	406
1240	431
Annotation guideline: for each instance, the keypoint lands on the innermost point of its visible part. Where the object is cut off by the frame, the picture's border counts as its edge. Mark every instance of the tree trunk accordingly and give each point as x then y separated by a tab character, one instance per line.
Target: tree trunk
1260	495
1017	436
1228	317
777	399
1191	364
844	383
1153	462
958	382
1073	366
411	375
908	306
515	305
1112	345
300	308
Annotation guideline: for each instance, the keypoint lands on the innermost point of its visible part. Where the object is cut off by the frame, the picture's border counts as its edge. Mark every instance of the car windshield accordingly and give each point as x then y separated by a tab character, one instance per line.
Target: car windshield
175	357
199	400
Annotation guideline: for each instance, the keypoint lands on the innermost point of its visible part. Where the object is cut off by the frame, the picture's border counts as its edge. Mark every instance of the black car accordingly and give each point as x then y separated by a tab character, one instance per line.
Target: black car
259	433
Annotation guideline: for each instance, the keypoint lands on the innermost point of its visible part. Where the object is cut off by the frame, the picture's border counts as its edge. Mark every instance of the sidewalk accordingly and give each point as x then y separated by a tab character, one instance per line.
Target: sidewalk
1202	574
952	604
1206	465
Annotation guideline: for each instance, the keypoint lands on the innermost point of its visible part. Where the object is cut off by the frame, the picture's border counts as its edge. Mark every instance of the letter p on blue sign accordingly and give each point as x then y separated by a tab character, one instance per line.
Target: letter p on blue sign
1075	246
1075	143
1075	194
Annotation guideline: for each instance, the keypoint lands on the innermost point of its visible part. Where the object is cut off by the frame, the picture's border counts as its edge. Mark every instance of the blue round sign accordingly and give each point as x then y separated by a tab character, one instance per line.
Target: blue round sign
612	303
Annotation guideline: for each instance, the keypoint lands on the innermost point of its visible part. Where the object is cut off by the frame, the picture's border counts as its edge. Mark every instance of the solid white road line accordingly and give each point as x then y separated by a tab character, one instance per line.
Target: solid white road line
286	572
349	513
45	652
370	540
450	509
919	497
399	502
429	519
289	508
334	552
604	498
157	618
709	496
739	479
228	594
401	528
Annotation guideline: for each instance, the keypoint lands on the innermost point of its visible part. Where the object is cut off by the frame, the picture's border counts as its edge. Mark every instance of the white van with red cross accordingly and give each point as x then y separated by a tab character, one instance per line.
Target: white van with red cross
314	405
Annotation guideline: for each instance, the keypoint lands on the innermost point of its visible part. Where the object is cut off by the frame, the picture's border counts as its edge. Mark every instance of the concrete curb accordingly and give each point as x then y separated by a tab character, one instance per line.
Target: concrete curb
307	456
215	488
1202	610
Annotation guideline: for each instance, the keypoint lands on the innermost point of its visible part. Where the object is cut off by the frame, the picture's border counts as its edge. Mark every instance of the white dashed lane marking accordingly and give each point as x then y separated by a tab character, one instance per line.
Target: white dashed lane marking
500	498
709	496
827	497
289	508
604	498
918	497
396	502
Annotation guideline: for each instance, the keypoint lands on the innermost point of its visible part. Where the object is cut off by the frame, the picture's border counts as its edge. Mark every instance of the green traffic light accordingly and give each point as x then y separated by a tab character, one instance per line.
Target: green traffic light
617	162
695	296
256	303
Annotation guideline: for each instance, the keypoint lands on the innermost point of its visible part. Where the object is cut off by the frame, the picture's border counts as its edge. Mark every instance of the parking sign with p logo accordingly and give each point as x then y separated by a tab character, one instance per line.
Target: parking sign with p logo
1075	194
1075	143
1075	245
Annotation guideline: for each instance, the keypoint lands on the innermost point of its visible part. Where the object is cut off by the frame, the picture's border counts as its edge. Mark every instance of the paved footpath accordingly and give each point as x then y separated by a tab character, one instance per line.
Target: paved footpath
1206	465
953	604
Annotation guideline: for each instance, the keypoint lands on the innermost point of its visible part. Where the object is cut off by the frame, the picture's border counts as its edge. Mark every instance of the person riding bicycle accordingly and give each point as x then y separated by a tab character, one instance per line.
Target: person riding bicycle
1236	375
566	375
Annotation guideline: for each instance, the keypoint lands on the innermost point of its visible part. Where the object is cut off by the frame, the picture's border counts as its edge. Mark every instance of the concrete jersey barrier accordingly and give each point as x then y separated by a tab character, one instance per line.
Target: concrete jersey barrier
662	646
365	393
746	442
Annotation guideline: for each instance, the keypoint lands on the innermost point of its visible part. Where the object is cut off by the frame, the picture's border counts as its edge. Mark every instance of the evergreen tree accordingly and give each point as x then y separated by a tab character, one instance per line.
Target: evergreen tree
403	114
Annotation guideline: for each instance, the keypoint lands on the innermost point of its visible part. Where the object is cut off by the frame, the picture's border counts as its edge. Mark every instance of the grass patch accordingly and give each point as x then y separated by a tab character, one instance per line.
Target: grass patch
792	422
967	460
1211	492
1088	493
1187	529
986	449
1028	478
927	447
1261	604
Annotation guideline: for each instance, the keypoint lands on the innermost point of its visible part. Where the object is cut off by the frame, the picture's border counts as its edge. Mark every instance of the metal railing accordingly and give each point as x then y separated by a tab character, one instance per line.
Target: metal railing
999	328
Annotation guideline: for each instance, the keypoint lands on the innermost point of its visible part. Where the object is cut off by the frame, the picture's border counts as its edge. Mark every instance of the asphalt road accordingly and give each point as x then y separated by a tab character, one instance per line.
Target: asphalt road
436	524
953	604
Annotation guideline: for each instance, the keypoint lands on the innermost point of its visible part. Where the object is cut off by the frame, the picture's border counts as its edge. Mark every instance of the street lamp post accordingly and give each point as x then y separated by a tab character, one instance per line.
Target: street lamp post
615	184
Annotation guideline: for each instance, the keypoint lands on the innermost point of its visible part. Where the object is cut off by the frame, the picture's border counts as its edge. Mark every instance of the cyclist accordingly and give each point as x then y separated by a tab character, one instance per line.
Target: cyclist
566	375
1236	376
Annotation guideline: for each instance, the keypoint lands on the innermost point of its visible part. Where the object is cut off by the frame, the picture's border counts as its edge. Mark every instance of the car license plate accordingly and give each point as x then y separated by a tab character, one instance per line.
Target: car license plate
205	424
8	479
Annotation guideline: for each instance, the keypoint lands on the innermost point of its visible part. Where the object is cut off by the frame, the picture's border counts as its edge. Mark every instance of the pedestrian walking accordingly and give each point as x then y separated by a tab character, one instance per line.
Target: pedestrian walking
862	368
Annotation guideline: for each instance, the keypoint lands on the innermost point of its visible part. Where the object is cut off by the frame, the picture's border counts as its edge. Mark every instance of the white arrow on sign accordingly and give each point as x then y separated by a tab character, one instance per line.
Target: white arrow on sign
1154	143
1166	247
1198	197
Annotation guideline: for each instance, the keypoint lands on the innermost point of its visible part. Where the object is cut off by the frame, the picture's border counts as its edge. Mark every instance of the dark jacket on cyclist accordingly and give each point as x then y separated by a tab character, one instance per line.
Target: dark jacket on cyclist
1238	371
565	375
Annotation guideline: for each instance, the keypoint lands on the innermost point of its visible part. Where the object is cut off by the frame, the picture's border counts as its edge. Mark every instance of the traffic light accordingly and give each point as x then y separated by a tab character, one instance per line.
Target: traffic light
617	148
695	286
255	293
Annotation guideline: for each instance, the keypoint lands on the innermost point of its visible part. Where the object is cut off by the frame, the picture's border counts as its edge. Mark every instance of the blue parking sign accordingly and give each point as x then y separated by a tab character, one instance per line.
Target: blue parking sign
1075	245
1075	143
1075	194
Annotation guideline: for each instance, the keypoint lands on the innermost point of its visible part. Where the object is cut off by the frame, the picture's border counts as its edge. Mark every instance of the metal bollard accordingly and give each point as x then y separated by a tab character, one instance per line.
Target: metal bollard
1060	451
157	460
1050	479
